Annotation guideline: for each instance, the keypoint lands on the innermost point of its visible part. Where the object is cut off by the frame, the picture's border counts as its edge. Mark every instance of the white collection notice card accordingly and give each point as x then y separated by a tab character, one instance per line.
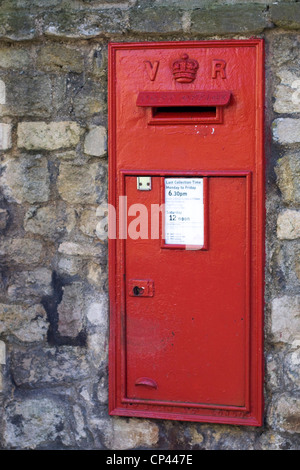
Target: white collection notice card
184	211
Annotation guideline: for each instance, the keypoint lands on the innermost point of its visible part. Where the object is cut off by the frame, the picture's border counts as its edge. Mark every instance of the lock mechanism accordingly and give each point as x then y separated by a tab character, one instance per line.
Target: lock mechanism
140	288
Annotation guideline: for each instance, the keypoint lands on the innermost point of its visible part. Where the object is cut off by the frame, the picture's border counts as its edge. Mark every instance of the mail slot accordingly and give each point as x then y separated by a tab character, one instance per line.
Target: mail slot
186	256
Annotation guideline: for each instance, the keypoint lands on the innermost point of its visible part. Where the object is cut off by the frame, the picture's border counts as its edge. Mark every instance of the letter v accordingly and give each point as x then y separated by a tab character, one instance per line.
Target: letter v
151	69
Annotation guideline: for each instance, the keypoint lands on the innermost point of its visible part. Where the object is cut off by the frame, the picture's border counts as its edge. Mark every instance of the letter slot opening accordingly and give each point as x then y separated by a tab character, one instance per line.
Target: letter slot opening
185	112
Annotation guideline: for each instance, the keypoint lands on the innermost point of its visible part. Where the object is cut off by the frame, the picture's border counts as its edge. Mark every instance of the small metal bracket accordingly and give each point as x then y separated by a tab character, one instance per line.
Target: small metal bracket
144	183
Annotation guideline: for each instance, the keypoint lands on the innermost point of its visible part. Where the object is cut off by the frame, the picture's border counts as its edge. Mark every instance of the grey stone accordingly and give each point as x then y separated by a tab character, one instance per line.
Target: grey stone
286	15
53	136
121	435
26	179
85	95
94	251
288	224
70	311
12	58
28	324
82	184
28	95
34	422
224	19
287	92
4	215
155	20
60	57
285	413
17	24
21	251
5	136
286	318
50	221
292	370
288	177
286	130
83	24
96	141
28	286
37	367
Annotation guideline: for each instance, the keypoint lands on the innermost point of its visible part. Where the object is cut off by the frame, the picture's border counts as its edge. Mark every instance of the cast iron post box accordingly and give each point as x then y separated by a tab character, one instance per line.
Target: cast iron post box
186	179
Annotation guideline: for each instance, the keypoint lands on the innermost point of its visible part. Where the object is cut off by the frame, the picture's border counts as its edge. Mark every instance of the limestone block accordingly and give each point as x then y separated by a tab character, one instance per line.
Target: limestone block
96	141
21	251
88	222
158	20
287	93
26	179
13	58
82	184
84	24
286	319
28	324
288	177
5	136
288	224
28	95
286	15
31	422
221	19
97	313
2	92
120	434
4	215
60	57
80	249
53	136
49	221
2	352
285	413
286	130
49	366
30	285
70	311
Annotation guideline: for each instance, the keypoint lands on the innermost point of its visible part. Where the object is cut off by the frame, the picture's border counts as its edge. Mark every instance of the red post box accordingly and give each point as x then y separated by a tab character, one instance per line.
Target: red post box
186	181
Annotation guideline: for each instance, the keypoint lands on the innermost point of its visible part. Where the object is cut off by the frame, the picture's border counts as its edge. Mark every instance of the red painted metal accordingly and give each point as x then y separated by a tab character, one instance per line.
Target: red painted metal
181	98
187	344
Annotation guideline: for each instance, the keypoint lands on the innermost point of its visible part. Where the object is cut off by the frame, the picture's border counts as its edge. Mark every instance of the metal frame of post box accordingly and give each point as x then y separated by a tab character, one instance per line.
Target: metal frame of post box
218	414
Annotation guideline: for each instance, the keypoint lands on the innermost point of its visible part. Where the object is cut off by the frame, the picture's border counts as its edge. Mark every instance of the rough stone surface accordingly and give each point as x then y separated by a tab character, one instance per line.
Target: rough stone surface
40	135
127	434
2	352
70	309
29	285
39	421
286	130
28	324
286	319
287	93
26	179
82	184
5	136
286	411
229	19
95	142
286	15
288	177
49	221
38	366
21	251
288	224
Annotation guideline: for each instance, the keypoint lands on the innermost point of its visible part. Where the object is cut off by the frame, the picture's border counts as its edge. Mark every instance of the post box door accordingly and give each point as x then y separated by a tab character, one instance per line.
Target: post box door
186	342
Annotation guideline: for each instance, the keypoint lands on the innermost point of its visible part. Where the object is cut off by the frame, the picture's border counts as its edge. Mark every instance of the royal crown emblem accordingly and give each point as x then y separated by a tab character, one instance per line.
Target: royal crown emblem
185	69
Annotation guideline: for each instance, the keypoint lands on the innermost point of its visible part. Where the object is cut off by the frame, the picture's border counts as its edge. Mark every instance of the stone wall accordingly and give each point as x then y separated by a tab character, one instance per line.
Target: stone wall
53	284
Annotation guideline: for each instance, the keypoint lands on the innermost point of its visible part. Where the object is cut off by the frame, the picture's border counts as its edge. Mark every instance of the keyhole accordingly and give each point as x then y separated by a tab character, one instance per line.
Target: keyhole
137	290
